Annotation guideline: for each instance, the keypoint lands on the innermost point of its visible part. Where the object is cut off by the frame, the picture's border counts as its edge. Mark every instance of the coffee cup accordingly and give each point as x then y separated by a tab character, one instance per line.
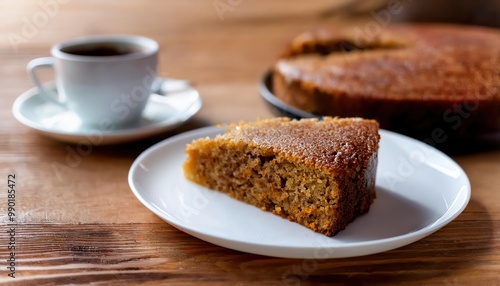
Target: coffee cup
102	79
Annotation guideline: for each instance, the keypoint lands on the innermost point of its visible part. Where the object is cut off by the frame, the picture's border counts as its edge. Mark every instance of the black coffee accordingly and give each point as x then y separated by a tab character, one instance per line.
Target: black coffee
102	49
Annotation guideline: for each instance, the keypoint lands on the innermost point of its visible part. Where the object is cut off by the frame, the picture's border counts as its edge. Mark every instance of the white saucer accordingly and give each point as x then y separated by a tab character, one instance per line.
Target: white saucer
162	113
419	190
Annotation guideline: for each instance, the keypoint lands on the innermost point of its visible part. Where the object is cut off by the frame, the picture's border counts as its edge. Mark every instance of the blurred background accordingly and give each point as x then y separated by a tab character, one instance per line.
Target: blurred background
474	12
221	46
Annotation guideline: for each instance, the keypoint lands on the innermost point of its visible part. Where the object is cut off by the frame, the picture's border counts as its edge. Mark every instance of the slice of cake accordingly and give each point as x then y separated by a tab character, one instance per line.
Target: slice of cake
320	174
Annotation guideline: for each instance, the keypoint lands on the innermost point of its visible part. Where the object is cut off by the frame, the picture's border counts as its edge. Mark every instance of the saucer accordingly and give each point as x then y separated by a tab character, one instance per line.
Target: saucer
163	112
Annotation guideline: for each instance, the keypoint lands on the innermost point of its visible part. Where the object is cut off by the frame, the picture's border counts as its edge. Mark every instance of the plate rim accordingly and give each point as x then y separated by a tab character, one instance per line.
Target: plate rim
463	197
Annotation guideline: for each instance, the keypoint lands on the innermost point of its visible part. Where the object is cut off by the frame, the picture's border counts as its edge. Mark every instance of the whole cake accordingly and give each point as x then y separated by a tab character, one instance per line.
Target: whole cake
320	174
433	82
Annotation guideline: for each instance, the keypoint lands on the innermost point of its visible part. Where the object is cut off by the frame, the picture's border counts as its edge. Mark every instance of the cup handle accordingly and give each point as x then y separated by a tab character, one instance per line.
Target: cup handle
33	65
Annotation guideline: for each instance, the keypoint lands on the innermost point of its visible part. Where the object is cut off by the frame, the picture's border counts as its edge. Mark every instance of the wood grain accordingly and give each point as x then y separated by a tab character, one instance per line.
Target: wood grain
77	220
157	252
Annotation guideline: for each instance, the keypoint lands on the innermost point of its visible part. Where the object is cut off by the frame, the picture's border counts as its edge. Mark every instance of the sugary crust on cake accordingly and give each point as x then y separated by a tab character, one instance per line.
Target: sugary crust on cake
450	63
413	79
336	145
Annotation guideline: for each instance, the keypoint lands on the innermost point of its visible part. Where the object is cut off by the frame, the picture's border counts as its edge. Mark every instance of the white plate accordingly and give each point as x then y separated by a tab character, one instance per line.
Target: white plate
162	113
419	190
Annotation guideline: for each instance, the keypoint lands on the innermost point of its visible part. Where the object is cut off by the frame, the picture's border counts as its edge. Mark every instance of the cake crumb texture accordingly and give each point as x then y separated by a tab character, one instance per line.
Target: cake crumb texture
320	174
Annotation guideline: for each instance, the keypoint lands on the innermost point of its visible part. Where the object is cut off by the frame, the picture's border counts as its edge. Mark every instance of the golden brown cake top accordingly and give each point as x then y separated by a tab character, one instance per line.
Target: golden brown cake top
333	143
438	62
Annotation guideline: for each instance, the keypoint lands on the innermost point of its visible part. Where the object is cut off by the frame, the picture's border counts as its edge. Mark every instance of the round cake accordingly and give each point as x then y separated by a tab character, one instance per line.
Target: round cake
437	83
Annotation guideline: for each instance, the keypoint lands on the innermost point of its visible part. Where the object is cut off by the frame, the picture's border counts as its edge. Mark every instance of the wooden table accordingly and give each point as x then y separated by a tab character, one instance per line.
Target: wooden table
82	224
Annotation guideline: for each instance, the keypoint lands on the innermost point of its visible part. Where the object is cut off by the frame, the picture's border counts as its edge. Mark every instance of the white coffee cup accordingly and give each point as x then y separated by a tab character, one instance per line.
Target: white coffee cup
102	79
